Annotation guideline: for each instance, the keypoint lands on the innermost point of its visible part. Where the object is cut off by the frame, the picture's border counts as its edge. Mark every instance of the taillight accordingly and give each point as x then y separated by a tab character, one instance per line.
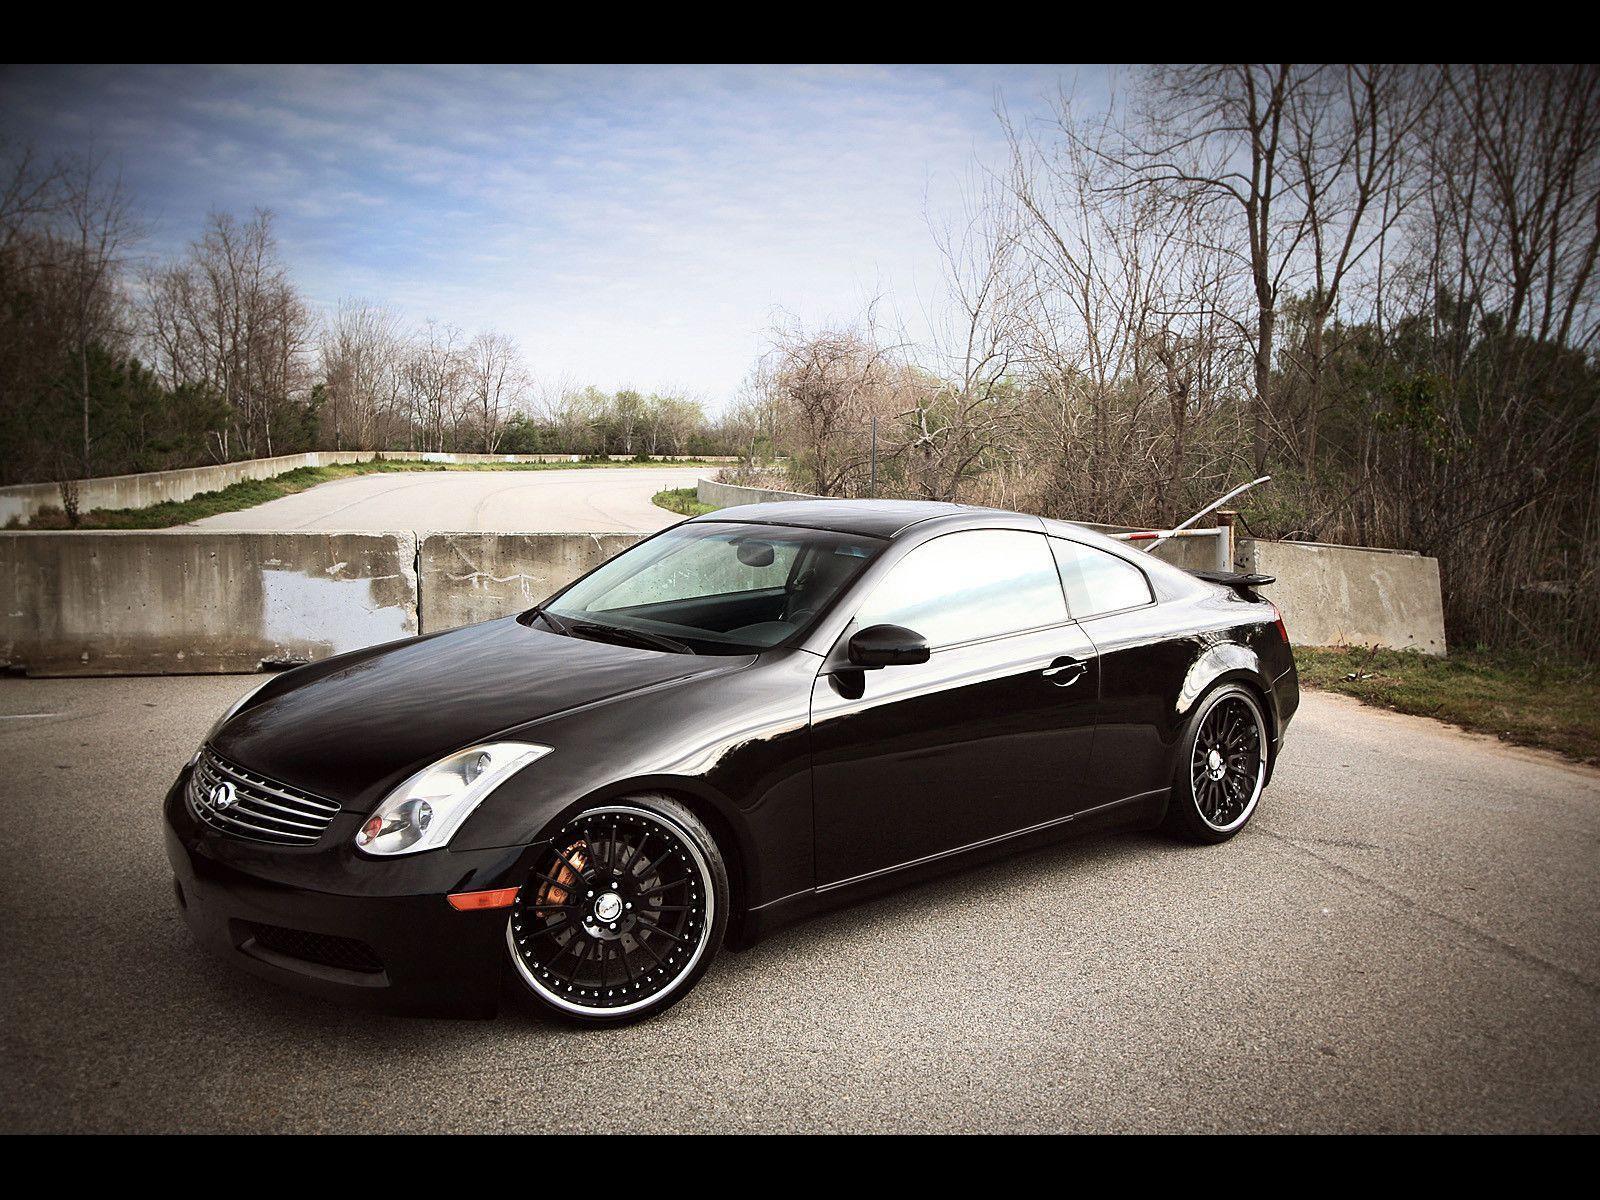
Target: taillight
1283	630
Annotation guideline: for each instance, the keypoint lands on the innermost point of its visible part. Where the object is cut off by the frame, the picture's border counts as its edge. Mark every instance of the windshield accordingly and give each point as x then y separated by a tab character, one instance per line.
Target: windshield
712	588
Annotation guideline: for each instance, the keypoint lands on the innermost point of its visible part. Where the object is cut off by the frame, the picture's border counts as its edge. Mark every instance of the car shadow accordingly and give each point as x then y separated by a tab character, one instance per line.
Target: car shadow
274	1012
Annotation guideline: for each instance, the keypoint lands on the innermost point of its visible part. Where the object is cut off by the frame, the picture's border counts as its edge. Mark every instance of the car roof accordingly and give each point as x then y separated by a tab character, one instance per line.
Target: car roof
873	518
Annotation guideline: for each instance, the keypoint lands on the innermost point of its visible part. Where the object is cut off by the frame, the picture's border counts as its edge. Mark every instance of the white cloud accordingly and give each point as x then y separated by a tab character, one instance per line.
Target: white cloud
628	224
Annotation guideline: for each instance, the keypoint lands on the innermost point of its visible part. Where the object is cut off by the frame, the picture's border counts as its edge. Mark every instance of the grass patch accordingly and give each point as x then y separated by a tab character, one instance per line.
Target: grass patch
252	492
682	500
1516	697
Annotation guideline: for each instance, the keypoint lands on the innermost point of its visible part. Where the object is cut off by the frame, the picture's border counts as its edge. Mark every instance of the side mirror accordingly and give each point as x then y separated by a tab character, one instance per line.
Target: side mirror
887	646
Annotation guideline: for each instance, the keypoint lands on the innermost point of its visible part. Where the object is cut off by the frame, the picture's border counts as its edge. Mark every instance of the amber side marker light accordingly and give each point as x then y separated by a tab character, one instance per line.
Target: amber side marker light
467	901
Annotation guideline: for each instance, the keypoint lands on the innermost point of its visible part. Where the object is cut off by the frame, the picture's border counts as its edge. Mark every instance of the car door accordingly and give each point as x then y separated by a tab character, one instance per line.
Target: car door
1140	665
993	734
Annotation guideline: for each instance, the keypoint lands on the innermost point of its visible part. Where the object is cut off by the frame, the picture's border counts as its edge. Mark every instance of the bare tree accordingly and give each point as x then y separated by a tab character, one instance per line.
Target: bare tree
228	317
359	356
436	380
497	381
89	244
1354	167
1218	135
828	385
1129	328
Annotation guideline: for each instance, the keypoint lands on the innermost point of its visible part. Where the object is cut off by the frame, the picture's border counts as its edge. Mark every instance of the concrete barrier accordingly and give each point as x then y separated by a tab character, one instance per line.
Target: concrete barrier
452	456
726	495
1351	595
467	577
22	502
1190	553
193	602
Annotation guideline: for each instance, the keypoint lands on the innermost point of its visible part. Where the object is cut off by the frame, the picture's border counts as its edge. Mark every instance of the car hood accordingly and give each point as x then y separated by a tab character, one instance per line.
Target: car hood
354	727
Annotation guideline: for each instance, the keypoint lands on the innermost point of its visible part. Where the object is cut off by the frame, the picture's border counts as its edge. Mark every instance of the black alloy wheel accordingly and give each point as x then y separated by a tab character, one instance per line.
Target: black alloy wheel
622	915
1224	768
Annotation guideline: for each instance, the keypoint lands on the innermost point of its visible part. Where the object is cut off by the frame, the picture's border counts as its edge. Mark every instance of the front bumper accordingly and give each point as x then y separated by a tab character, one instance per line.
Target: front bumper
330	922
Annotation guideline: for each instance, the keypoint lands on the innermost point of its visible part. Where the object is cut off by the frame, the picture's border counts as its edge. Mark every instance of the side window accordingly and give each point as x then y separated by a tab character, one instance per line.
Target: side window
1097	582
970	585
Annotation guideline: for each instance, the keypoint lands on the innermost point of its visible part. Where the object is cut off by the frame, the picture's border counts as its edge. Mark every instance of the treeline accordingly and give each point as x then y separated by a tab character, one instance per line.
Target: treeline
1375	283
111	363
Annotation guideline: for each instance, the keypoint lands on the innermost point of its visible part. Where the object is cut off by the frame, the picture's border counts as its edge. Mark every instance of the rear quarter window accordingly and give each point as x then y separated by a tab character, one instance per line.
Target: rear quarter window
1097	582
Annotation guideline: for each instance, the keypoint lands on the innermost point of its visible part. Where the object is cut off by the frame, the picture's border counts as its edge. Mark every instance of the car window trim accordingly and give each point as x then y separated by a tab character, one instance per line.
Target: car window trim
996	637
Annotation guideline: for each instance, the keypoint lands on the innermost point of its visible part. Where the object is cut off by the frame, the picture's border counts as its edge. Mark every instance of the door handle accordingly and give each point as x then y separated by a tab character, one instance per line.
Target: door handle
1065	674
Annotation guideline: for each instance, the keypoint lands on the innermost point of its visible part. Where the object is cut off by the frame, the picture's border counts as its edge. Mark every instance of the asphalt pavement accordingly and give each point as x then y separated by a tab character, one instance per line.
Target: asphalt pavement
1404	939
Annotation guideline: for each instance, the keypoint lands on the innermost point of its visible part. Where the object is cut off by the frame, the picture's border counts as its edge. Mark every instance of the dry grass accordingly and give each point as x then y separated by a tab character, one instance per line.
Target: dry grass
682	500
1517	697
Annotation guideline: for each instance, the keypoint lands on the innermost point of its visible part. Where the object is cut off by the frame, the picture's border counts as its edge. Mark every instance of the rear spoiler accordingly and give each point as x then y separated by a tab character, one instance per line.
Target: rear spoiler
1241	583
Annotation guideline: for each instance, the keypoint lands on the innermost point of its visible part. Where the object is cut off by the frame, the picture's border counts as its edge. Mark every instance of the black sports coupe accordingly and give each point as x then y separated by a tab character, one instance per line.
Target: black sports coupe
742	719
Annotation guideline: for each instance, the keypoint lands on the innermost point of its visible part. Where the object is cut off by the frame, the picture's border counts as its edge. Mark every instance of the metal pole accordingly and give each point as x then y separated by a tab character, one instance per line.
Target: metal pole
1217	503
1224	520
872	485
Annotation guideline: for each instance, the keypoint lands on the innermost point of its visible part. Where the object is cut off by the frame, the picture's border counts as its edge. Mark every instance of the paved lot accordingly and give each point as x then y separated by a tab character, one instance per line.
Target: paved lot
582	500
1404	939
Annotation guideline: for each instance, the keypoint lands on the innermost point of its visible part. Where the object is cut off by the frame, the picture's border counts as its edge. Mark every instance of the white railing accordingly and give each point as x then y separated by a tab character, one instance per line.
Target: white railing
1222	535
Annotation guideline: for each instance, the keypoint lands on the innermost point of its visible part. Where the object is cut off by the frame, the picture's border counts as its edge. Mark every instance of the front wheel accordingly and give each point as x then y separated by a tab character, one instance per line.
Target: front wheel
623	914
1223	767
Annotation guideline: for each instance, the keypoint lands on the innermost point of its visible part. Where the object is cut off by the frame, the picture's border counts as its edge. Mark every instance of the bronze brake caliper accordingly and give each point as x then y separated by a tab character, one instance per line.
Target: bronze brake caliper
575	855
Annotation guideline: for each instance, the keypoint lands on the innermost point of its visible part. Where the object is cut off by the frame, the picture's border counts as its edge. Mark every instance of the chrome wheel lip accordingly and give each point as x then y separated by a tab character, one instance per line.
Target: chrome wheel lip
1261	765
585	1010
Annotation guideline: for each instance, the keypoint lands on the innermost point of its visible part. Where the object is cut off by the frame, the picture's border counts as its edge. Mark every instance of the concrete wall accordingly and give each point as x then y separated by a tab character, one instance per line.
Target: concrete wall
726	495
21	502
192	602
453	457
1190	553
467	577
1351	596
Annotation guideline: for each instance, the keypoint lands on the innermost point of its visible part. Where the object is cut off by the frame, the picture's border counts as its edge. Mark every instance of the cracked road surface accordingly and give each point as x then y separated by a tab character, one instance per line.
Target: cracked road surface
580	500
1404	938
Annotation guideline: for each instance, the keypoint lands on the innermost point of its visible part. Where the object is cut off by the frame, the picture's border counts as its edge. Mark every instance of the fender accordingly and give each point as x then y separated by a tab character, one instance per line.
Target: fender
1224	661
733	747
1220	661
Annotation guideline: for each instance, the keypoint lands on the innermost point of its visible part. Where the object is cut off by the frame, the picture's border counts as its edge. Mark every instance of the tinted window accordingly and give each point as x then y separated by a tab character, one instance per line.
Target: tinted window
969	585
719	587
704	566
1097	582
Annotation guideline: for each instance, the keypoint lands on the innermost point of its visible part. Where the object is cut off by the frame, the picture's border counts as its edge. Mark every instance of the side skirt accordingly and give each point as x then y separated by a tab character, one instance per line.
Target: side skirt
1133	812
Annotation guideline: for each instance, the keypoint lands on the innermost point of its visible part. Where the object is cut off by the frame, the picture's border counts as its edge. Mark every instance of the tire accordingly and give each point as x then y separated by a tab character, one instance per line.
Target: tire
1222	769
622	916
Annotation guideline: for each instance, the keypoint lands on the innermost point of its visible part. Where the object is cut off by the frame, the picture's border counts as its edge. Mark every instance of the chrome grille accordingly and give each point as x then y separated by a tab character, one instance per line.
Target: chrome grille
259	810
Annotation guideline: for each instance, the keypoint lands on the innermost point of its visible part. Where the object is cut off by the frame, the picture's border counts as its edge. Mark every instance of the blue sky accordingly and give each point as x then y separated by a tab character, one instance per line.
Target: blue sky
629	225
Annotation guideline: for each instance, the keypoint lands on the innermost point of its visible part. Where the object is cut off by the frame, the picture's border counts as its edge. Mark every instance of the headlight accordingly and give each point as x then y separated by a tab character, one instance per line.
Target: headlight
424	812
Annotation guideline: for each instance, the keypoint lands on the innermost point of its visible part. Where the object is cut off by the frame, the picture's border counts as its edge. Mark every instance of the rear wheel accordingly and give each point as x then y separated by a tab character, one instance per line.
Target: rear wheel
623	914
1223	767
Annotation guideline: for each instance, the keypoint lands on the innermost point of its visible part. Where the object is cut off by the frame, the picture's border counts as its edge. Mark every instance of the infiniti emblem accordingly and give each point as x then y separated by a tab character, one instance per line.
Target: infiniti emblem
222	796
